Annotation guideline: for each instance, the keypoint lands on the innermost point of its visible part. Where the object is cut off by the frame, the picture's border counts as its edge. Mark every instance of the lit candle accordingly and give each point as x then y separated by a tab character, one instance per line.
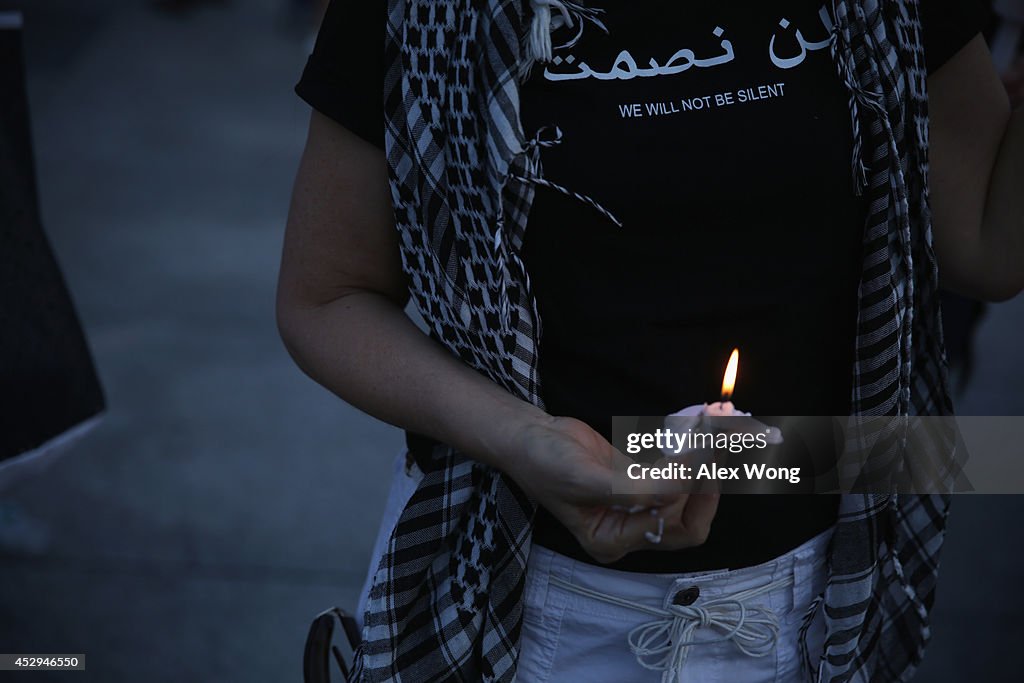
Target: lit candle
725	406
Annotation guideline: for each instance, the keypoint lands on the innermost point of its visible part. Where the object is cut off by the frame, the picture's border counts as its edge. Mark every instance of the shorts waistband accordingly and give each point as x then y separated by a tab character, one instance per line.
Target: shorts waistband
677	612
807	556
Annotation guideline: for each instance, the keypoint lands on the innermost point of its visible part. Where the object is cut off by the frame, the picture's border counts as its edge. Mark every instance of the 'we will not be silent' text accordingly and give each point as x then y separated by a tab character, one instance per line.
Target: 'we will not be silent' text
686	104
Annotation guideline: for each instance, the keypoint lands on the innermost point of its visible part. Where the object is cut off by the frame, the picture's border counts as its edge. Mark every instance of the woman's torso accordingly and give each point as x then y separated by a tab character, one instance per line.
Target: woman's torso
730	172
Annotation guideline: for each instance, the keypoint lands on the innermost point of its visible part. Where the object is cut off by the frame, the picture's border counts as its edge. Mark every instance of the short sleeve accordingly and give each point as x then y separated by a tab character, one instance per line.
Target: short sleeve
948	25
344	76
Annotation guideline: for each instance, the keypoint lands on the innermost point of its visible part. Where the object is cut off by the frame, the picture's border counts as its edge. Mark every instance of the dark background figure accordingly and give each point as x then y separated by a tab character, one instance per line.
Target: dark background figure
224	499
49	383
49	392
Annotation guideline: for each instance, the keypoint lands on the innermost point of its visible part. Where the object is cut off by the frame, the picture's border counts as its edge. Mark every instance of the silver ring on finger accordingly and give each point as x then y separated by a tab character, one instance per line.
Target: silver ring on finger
655	538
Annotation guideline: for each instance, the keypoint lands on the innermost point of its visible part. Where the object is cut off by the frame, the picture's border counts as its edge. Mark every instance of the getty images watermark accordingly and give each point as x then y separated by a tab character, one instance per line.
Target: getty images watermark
683	449
839	454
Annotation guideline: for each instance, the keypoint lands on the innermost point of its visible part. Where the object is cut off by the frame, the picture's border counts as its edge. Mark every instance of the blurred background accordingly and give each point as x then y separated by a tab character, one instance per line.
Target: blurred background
223	499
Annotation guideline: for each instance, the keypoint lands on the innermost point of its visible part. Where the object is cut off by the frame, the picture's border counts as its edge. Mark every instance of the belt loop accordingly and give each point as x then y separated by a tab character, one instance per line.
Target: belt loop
801	570
540	571
805	567
796	590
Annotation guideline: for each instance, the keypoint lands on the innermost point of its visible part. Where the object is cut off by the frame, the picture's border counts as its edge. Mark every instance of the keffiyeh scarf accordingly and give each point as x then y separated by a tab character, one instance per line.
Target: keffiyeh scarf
445	603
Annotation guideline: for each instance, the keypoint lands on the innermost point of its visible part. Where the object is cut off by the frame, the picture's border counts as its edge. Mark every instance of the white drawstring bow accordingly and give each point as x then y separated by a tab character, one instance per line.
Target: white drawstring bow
663	644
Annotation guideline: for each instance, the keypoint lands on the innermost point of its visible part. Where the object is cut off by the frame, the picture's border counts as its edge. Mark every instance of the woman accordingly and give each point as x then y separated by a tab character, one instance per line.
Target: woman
593	204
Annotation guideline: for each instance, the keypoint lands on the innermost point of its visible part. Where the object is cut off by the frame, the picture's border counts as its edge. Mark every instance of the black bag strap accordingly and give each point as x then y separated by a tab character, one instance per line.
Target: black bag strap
320	647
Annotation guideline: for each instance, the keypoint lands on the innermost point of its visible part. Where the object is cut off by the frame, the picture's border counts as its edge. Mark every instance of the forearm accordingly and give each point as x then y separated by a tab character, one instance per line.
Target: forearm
365	349
1002	231
977	176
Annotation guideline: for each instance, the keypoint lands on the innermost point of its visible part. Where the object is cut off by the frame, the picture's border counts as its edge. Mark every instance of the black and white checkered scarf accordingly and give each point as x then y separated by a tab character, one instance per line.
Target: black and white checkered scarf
446	601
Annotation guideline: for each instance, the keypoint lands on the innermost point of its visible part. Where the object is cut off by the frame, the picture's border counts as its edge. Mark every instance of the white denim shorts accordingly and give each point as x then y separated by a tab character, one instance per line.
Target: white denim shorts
570	635
585	622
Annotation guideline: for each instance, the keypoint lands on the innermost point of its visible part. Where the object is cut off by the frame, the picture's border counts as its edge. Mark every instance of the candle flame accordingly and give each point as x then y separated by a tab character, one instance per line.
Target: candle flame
729	381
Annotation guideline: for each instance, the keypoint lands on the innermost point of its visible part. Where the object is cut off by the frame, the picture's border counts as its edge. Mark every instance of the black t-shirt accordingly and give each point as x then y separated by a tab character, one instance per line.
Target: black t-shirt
721	139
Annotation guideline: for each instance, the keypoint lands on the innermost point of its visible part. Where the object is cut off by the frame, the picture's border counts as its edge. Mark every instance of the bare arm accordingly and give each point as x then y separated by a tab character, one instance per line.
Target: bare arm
340	313
977	178
340	298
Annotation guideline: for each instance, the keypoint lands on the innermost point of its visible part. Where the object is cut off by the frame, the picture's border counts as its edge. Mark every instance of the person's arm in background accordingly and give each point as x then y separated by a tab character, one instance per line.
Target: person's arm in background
340	312
1007	44
977	177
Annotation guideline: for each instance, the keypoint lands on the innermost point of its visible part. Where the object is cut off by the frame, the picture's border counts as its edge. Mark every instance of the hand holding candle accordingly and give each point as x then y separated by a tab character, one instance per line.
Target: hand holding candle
703	417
